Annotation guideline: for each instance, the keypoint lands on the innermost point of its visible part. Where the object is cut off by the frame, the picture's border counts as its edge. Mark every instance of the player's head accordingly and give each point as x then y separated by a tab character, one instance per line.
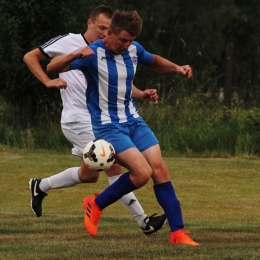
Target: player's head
98	23
127	21
124	28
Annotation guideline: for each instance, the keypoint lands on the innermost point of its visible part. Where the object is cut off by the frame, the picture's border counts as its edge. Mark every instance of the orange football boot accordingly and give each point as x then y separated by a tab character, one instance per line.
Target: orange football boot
92	214
181	237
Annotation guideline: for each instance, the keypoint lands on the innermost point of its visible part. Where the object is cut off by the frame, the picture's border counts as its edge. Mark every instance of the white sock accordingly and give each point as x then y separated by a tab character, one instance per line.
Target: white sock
67	178
131	204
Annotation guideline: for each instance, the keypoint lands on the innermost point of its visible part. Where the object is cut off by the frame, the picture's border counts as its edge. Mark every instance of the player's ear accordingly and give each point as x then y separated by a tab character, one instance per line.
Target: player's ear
89	22
109	32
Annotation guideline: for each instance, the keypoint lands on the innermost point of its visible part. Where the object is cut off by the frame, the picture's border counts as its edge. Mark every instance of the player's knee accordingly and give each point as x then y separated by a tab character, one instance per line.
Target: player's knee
115	169
144	180
141	178
88	176
161	171
89	179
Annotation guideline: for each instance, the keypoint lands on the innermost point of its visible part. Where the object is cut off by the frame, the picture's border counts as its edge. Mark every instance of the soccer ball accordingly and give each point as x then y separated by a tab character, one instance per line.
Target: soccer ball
99	155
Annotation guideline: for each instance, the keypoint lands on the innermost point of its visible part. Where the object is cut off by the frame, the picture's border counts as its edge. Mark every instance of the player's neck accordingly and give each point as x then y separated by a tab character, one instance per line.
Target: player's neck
106	42
87	37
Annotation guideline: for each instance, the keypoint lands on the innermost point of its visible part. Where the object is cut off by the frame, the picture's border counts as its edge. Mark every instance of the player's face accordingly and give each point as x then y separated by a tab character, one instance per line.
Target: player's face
99	28
120	42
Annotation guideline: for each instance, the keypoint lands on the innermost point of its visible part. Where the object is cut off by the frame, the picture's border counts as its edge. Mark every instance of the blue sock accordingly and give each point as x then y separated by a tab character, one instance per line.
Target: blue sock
115	191
167	198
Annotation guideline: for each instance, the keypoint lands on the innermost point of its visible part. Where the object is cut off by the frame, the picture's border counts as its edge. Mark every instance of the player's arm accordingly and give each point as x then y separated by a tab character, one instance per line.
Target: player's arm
32	60
146	95
162	65
62	63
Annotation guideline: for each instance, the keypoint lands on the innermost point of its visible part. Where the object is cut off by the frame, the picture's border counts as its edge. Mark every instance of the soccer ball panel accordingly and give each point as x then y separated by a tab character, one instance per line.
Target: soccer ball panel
99	155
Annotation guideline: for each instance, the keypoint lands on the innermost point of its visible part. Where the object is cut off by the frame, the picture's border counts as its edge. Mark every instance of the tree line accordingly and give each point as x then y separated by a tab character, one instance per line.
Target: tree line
194	32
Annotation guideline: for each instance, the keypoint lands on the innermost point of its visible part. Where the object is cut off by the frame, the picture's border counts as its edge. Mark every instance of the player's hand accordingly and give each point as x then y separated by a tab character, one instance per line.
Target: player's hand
56	83
185	71
150	95
84	52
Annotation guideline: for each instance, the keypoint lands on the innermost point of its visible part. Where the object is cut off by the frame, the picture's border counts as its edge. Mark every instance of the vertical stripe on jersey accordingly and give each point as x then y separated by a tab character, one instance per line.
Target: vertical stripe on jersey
123	89
131	64
129	72
103	81
114	91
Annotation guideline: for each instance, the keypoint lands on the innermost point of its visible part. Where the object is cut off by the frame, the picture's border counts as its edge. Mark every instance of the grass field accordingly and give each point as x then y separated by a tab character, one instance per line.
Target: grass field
220	199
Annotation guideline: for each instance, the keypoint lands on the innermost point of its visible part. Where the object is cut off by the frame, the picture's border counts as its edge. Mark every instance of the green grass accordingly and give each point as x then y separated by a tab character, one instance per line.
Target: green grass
219	197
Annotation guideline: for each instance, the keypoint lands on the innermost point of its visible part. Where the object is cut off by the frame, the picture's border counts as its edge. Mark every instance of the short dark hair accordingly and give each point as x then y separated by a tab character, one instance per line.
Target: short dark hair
128	21
101	9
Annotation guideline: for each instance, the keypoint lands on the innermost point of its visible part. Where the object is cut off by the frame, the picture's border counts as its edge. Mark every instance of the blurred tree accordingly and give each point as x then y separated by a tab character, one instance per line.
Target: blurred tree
26	25
244	32
191	32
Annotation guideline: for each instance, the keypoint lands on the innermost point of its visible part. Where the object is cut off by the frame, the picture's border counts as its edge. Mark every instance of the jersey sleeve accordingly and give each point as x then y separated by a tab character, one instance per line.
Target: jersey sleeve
55	46
79	64
144	57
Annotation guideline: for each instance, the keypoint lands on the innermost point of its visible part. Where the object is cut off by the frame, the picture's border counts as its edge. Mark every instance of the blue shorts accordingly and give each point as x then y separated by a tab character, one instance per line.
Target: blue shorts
127	135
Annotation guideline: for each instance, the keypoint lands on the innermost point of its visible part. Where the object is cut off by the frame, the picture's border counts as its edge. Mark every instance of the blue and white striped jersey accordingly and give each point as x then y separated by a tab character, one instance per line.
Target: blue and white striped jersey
110	79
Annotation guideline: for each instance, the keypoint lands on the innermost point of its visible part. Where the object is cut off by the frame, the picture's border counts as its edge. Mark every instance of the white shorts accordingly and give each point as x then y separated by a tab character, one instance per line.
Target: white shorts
78	134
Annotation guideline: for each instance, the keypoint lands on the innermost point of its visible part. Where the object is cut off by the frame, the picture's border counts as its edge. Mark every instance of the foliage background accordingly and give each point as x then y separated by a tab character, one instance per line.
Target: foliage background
189	118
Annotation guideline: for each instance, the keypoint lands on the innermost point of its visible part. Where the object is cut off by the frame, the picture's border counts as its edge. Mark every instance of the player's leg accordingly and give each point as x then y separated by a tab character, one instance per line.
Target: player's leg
123	185
129	201
128	156
166	196
80	134
77	134
147	143
149	224
151	160
64	179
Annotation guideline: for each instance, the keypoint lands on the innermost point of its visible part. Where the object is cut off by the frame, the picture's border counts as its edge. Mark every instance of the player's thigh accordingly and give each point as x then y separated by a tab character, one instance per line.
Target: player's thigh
127	154
78	134
160	172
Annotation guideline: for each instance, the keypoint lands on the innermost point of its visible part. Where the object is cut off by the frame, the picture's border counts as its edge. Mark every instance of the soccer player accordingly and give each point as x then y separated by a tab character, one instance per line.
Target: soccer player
75	118
109	66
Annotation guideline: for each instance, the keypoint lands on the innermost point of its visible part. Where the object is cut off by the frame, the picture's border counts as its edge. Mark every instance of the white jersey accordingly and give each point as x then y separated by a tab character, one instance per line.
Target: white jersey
73	97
